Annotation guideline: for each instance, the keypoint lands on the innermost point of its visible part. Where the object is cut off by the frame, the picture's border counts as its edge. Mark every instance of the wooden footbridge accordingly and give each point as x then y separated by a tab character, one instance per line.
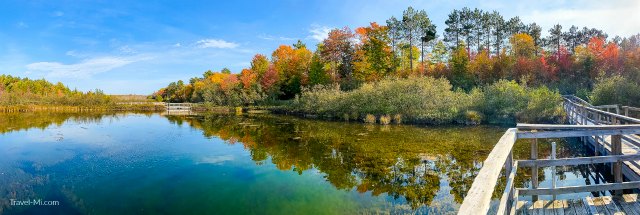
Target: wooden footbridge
611	135
178	108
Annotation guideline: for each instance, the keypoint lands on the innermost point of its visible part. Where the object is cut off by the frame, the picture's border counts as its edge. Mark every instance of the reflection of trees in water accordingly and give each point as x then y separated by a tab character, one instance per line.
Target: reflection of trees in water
400	161
10	122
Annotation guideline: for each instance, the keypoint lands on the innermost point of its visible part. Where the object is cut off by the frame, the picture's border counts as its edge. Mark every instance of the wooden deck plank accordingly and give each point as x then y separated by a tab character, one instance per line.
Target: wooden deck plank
558	207
568	207
600	205
578	206
537	208
521	208
589	206
610	205
629	204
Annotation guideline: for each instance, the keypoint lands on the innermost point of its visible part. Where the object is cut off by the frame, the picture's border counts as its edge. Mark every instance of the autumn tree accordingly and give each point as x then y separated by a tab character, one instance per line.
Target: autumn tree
374	55
259	64
522	45
459	62
339	52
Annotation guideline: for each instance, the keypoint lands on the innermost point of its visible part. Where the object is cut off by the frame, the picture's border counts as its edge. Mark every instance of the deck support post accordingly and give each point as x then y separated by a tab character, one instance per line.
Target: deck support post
616	149
534	169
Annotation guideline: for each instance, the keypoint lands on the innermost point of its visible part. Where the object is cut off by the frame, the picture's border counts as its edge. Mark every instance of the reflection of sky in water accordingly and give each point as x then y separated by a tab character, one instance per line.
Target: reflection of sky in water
103	166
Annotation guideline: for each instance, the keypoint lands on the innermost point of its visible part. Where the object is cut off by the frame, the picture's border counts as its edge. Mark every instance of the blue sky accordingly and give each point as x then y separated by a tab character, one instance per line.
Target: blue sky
136	47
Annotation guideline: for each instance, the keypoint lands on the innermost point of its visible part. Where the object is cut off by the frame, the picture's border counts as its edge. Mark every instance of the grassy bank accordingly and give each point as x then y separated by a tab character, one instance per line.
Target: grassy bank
431	101
81	108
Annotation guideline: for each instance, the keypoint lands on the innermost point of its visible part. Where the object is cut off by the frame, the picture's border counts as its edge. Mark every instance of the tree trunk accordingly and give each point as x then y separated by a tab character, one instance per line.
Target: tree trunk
422	55
410	51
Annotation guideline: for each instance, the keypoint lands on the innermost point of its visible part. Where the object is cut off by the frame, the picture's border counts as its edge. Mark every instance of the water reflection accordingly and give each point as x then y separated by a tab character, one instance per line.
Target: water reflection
415	168
401	161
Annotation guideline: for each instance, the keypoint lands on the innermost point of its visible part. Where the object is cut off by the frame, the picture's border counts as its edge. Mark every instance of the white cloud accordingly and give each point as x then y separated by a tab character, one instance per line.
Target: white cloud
614	18
271	37
214	43
177	45
74	53
319	33
83	69
216	159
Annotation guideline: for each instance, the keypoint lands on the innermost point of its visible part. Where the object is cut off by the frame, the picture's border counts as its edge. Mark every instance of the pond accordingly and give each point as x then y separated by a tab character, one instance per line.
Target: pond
150	163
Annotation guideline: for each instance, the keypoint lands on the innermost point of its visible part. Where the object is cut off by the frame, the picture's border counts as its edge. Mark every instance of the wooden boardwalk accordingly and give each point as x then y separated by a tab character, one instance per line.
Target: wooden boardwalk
612	136
601	145
627	204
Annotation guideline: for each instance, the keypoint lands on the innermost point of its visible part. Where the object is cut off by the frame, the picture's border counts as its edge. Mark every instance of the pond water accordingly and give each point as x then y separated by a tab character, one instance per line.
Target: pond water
134	163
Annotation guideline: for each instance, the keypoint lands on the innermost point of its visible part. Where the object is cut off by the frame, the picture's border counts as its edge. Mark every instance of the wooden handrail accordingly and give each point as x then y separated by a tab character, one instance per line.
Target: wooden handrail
524	126
618	116
478	198
577	161
579	189
507	199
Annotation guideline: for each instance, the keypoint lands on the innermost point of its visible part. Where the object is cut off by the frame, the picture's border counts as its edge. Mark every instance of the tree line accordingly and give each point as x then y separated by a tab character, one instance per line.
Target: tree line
477	48
25	91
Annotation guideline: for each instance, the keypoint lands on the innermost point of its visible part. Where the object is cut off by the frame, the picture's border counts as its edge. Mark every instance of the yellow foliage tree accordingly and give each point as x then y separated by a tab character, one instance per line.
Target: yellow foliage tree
522	45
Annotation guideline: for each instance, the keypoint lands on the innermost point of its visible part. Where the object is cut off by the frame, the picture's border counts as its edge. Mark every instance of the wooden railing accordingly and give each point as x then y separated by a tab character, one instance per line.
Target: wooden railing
178	106
589	124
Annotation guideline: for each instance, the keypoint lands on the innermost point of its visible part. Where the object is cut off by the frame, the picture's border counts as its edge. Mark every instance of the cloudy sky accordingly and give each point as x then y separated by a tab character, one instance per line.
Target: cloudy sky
136	47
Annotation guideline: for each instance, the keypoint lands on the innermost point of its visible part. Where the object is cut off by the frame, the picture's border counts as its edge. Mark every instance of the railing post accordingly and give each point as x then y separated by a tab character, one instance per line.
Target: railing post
508	164
626	110
553	173
596	145
534	169
616	148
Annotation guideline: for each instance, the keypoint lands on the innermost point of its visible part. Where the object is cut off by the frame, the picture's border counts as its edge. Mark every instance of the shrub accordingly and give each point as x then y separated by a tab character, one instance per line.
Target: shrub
615	90
345	117
472	117
370	118
432	101
544	106
503	100
423	100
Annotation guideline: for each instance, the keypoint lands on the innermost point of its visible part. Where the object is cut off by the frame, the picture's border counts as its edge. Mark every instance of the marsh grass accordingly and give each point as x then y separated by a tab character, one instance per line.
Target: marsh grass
385	119
370	118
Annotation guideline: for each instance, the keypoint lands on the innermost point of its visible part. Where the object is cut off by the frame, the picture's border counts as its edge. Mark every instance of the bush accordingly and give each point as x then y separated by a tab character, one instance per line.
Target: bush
422	100
472	117
503	100
544	106
509	102
615	90
430	100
